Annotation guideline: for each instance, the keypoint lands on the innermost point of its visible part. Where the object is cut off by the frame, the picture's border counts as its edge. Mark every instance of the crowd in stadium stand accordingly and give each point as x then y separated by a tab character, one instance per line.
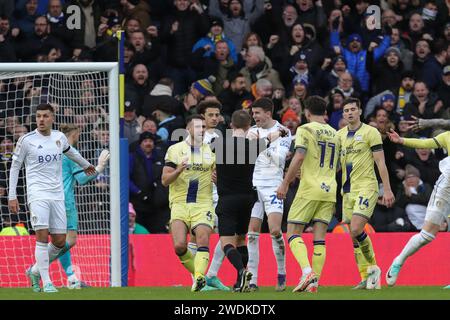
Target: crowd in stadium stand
181	52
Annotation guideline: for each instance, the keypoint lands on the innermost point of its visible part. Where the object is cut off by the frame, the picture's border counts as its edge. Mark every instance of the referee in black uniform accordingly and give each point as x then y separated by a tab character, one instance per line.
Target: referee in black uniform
236	193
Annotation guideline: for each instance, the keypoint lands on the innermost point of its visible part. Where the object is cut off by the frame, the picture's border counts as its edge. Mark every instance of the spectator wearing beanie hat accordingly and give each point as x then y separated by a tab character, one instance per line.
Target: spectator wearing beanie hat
356	56
146	192
133	226
291	121
300	87
387	72
215	34
197	92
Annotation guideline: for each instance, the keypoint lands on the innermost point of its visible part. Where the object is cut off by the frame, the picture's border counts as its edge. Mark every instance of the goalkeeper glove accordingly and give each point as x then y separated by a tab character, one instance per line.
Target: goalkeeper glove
102	161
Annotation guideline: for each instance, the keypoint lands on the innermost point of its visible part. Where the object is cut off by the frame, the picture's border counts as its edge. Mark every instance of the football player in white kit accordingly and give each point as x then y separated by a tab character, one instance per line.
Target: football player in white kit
267	177
210	110
41	150
438	206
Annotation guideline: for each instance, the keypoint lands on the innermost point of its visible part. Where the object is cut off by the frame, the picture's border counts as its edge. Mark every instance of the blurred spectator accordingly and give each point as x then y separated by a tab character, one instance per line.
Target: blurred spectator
213	37
161	94
300	88
106	48
257	66
138	86
167	121
147	52
423	103
443	91
133	226
434	64
7	53
90	20
131	127
149	197
236	96
356	56
421	53
413	196
180	32
311	12
405	91
57	22
237	18
426	162
406	55
290	120
345	85
219	65
198	91
387	72
334	110
136	9
24	17
40	41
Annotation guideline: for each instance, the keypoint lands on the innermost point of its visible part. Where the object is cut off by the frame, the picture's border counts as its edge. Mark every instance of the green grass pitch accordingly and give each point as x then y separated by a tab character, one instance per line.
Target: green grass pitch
265	293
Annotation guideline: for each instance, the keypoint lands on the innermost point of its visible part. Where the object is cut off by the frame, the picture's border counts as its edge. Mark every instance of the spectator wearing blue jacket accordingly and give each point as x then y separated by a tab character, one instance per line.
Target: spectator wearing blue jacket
215	35
356	56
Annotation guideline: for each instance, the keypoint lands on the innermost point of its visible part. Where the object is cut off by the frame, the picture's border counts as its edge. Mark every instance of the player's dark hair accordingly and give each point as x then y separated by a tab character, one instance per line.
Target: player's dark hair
351	100
205	104
240	119
316	105
264	103
193	117
44	107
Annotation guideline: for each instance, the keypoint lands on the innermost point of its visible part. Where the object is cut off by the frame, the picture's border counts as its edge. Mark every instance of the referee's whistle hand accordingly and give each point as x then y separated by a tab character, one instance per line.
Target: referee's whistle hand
13	206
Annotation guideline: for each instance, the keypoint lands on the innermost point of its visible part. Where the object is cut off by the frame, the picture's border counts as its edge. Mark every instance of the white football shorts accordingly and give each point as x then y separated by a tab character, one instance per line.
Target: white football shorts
267	202
49	214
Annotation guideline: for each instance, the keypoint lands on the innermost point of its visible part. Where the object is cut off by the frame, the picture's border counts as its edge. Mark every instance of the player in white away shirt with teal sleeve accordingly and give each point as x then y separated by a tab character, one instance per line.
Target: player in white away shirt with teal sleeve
72	173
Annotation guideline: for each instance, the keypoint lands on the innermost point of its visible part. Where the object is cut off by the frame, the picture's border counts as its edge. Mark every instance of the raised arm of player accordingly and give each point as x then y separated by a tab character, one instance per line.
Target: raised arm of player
420	124
388	196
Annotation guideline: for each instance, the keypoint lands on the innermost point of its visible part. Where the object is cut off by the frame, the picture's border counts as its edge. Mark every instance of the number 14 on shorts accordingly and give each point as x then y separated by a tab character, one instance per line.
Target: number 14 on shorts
363	202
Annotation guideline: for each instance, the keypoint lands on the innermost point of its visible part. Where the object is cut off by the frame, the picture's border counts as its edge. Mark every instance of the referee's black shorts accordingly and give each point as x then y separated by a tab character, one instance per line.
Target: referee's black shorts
234	213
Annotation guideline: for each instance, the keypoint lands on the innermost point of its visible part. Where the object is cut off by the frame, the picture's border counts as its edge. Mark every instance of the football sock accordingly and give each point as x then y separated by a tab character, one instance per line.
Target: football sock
235	257
319	255
360	261
53	253
201	261
366	248
279	249
244	254
66	263
253	255
216	261
187	260
42	261
192	247
415	243
300	253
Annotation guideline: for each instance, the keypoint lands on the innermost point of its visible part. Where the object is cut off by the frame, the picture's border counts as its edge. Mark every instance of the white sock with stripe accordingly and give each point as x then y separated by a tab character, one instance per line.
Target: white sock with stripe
414	244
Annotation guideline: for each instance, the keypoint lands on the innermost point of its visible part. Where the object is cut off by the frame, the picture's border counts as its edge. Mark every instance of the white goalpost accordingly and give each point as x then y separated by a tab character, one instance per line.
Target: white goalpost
86	94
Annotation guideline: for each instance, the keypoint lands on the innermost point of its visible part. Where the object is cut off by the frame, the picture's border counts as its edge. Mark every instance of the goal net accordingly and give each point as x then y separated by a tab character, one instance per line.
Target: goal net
81	98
